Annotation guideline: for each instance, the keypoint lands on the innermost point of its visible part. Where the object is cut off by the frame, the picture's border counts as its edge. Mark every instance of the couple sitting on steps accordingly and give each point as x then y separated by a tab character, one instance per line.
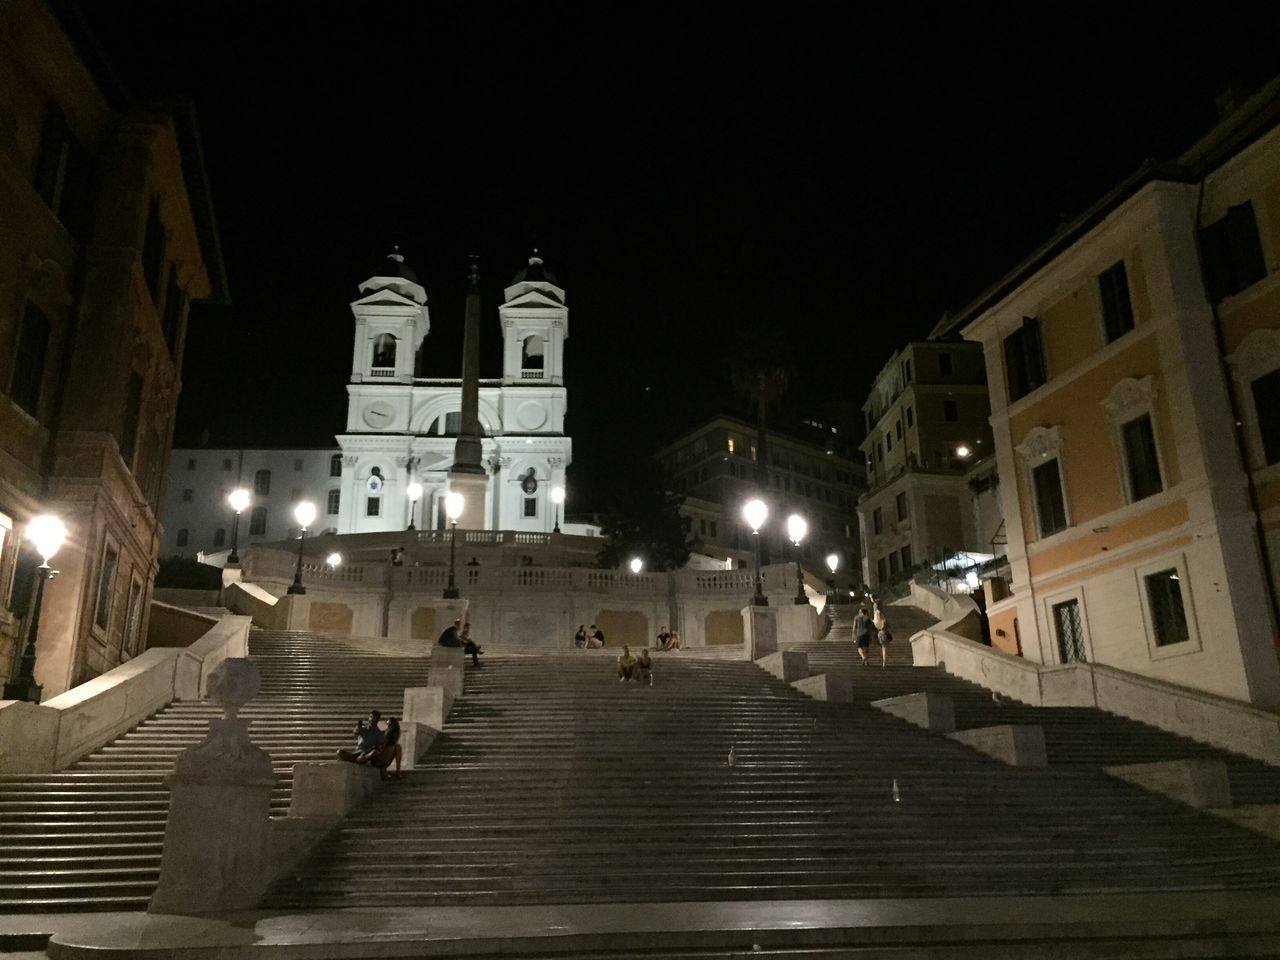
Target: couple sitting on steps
631	667
459	635
376	747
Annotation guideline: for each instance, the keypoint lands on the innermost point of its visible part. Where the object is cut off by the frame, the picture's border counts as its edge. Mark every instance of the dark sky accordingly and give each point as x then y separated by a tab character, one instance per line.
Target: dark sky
847	171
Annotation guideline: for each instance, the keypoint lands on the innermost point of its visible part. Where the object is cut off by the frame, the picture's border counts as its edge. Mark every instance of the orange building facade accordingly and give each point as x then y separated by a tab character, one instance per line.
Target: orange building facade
1134	372
100	255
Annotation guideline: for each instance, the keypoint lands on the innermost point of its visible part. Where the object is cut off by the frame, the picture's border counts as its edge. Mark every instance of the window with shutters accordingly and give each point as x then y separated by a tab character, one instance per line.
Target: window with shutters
1117	306
1231	253
1142	465
1164	600
258	521
1265	391
1024	359
26	381
1050	501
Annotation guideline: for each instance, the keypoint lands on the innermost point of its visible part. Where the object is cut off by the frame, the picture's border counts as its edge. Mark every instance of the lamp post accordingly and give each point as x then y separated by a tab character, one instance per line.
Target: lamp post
796	529
333	560
557	497
305	514
47	533
414	490
239	500
636	565
833	561
755	513
453	504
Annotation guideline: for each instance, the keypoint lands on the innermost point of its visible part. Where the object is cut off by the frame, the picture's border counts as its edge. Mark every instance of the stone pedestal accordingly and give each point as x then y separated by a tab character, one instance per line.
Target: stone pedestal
217	837
797	622
786	665
330	789
823	686
1018	745
448	667
760	631
425	711
1199	783
935	712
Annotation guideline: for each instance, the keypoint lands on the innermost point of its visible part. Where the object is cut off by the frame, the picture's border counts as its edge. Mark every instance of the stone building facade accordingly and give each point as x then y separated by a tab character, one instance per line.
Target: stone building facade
930	464
1134	367
102	248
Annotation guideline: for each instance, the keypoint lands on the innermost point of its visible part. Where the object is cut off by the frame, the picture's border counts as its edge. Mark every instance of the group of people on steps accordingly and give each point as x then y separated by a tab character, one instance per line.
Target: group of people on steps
866	626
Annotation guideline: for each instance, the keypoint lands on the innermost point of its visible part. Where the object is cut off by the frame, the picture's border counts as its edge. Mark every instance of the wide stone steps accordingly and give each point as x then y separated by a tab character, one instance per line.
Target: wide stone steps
91	836
552	782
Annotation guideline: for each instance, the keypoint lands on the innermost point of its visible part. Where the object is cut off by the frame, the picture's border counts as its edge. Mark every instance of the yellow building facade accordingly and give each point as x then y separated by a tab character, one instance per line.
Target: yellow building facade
100	255
1133	366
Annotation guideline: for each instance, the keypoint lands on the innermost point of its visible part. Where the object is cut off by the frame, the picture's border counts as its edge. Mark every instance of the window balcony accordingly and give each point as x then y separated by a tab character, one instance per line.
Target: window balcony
382	371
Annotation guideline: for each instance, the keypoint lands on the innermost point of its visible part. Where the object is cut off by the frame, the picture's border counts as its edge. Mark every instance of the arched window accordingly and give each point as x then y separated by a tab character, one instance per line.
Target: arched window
531	353
384	351
262	483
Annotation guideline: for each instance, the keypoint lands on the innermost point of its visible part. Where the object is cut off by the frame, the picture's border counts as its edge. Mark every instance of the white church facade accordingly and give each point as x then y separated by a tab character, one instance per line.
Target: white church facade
400	429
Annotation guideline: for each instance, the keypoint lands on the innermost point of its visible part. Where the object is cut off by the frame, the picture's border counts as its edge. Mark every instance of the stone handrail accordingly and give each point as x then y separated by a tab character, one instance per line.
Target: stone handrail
1201	716
41	738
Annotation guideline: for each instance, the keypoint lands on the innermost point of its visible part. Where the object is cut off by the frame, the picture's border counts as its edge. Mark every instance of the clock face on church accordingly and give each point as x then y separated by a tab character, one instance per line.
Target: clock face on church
378	414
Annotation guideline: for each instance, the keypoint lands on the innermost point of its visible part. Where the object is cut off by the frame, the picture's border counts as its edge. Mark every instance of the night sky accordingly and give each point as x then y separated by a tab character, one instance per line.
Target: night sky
846	171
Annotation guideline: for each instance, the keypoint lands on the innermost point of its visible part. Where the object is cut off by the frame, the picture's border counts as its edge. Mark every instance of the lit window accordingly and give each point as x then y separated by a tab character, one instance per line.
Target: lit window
731	444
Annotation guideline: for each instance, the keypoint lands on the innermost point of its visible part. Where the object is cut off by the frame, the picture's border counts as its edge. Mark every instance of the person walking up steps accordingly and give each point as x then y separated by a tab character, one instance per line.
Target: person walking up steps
862	633
883	636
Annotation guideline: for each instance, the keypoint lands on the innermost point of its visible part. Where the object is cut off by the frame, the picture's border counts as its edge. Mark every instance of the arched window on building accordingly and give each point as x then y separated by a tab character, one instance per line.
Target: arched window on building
262	483
384	352
531	356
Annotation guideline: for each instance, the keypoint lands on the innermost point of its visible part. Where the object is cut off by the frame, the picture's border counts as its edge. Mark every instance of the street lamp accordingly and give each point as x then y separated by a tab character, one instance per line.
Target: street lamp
963	451
47	533
305	514
755	513
636	565
239	500
453	504
333	560
833	561
557	497
414	490
796	529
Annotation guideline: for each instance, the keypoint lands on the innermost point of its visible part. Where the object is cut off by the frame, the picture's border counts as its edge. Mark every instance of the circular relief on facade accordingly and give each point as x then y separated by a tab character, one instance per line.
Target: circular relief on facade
531	415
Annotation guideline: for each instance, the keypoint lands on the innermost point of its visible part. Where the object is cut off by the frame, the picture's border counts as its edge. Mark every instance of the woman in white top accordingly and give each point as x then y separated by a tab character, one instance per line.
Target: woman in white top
883	636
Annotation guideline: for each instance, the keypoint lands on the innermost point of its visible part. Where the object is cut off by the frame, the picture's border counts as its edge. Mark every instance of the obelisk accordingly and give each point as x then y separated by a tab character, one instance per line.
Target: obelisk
467	475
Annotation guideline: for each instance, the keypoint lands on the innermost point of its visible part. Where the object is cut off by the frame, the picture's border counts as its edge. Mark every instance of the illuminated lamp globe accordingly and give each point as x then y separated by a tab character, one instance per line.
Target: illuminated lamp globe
797	527
963	451
414	490
333	559
636	564
833	561
239	499
557	495
755	513
47	534
305	513
453	504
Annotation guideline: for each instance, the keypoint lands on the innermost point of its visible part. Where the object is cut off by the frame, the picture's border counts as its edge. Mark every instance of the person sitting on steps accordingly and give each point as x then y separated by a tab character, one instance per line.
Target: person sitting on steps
580	638
626	665
451	636
390	752
369	740
644	668
595	638
469	646
664	638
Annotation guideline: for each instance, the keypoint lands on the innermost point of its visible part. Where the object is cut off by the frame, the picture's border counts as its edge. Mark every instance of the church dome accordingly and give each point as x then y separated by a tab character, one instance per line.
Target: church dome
393	265
535	272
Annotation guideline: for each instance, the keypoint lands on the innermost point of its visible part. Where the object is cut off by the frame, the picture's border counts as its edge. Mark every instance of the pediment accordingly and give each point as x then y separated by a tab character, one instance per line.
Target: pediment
385	297
535	299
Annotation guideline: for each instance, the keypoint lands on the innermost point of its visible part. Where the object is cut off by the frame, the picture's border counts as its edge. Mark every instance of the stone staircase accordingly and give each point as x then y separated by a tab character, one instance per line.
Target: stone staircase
1074	736
90	837
554	783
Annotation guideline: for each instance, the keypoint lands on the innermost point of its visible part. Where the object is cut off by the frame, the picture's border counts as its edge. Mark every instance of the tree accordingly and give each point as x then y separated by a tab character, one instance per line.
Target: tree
760	371
642	519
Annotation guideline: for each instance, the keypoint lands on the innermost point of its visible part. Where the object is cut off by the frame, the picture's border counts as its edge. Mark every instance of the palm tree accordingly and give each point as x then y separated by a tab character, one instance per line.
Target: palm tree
760	370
